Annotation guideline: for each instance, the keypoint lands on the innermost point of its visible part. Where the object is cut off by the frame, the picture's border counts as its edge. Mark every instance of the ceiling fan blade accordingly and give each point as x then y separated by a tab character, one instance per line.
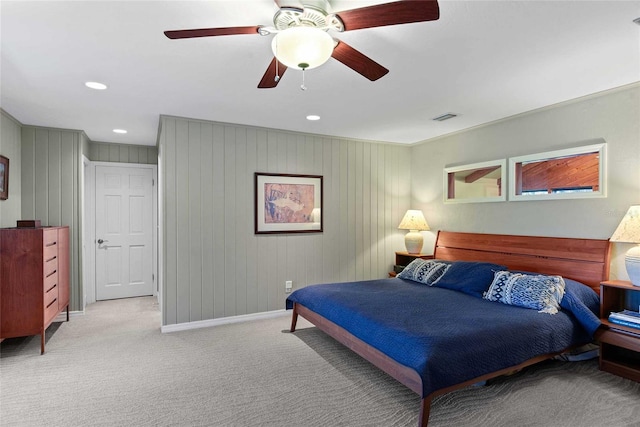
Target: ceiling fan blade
269	79
358	62
398	12
210	32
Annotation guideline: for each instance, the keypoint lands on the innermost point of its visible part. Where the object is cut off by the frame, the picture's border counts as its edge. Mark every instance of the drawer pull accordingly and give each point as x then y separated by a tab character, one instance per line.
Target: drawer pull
51	303
52	288
51	244
51	259
52	273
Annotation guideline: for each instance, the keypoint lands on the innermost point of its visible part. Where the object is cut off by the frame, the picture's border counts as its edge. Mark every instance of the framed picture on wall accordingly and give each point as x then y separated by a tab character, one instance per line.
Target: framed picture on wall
286	203
4	178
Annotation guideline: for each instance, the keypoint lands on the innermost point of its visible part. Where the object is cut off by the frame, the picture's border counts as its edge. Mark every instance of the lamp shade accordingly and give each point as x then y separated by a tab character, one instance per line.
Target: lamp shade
302	47
414	220
628	230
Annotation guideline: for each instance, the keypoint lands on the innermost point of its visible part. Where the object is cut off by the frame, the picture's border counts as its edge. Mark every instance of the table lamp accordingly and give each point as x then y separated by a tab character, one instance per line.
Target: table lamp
628	231
414	222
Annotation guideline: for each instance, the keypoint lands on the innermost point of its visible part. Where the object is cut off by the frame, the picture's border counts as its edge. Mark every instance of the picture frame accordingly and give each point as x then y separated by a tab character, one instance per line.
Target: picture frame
571	173
288	203
4	178
476	182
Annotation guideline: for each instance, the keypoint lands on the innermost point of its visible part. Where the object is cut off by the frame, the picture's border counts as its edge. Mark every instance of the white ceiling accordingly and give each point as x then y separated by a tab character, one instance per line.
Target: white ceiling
483	60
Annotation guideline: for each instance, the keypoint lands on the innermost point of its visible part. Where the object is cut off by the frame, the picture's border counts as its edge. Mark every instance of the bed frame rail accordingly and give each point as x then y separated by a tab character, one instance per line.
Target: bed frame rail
405	375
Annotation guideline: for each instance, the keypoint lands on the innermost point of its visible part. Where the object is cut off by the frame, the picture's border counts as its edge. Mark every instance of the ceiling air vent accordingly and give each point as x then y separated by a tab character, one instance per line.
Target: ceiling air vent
444	117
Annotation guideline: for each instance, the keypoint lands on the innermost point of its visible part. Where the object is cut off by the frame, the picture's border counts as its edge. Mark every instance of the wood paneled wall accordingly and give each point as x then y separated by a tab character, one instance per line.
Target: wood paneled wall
51	189
10	134
213	263
122	153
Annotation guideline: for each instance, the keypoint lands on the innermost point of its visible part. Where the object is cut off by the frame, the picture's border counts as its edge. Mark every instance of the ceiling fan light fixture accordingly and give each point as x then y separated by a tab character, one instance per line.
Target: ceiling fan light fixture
302	48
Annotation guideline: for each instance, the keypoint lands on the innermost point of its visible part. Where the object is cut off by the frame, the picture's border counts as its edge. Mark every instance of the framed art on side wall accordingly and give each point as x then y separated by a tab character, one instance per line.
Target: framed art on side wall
4	178
286	203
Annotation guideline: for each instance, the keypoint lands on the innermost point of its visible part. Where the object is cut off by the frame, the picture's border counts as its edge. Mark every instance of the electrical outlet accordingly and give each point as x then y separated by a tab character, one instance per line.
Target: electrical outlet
288	285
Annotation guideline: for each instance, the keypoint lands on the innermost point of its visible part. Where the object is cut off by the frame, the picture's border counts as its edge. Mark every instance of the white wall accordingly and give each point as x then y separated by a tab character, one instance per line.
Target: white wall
612	116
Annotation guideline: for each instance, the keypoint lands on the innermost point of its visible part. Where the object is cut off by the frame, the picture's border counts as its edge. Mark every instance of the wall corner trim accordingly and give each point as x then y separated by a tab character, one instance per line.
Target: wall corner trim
223	321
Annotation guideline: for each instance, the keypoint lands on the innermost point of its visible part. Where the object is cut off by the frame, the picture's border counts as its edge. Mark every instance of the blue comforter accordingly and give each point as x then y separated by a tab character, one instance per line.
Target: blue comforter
447	336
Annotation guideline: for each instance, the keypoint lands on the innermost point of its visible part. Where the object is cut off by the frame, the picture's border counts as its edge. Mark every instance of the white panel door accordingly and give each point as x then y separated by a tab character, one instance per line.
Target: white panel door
124	232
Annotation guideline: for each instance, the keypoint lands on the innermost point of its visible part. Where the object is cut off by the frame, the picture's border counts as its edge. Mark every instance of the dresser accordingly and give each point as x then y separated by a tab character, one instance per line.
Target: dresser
35	280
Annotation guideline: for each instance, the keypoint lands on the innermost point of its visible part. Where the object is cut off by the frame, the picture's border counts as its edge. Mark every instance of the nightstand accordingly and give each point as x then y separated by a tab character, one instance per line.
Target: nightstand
619	345
404	258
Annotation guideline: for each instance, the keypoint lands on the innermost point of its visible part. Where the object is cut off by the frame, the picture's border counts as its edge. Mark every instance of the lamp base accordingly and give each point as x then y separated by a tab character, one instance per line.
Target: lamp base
413	241
632	262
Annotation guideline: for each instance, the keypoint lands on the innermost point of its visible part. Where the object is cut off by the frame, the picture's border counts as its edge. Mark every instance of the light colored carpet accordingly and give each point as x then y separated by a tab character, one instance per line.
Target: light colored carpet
113	367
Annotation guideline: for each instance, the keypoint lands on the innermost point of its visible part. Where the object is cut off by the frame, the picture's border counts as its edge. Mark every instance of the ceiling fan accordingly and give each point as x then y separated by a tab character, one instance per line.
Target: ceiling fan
302	40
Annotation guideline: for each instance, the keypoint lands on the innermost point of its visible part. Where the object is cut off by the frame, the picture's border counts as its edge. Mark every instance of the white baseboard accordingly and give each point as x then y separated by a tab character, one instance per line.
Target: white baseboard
62	317
224	321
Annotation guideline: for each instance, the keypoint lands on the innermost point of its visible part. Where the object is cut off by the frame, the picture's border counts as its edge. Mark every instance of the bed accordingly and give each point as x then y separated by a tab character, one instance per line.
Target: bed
436	339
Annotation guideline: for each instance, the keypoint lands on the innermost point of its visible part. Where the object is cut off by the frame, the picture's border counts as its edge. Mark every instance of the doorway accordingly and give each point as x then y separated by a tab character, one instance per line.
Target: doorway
121	223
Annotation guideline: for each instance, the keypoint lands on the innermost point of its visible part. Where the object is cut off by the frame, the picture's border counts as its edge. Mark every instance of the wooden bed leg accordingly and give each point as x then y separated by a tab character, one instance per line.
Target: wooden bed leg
425	408
294	318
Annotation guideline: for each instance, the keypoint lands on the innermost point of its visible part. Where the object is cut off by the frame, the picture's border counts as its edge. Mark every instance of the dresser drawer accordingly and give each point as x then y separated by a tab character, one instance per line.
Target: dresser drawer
50	295
50	266
51	308
49	252
49	237
50	281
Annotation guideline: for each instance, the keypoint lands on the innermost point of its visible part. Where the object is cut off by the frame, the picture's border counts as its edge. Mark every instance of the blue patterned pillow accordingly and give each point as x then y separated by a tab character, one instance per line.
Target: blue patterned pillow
424	271
470	277
542	293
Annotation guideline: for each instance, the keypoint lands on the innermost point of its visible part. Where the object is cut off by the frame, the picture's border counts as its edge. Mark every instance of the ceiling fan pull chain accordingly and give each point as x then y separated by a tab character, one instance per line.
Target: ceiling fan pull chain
277	76
302	86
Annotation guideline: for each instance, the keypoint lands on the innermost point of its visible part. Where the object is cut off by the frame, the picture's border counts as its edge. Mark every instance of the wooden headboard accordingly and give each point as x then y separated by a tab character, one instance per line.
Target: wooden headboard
583	260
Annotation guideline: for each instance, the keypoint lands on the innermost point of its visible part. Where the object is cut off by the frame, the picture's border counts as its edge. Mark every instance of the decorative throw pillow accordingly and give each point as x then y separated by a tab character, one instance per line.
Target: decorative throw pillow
542	293
424	271
470	277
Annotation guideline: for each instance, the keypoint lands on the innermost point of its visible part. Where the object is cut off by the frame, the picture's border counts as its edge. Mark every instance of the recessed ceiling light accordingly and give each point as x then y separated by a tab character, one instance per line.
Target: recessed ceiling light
313	117
120	131
96	85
